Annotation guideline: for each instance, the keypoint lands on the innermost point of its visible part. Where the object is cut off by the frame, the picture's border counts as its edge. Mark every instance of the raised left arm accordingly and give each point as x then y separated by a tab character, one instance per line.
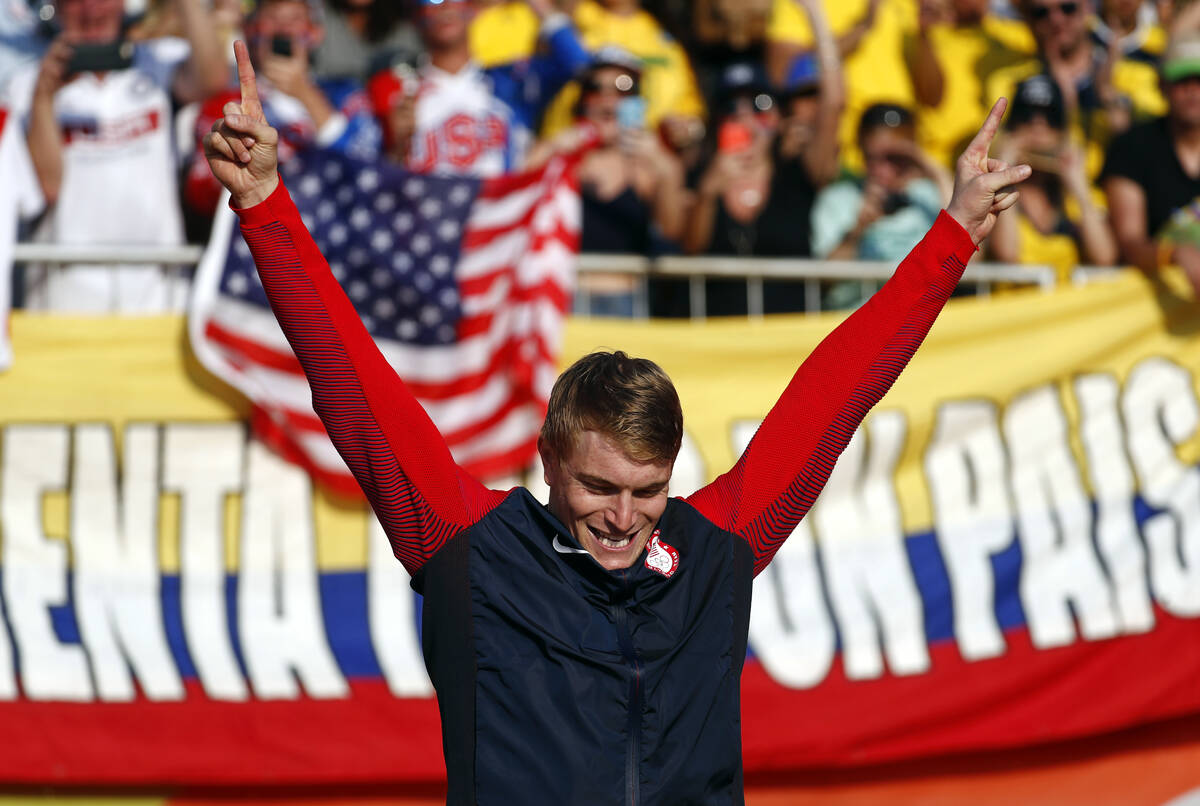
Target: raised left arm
774	483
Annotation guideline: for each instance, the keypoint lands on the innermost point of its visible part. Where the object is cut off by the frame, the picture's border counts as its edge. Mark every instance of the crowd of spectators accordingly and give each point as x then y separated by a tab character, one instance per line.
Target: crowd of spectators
767	128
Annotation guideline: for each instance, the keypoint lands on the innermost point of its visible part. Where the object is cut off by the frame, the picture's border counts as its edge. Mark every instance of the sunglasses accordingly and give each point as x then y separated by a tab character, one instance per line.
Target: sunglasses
1068	9
622	84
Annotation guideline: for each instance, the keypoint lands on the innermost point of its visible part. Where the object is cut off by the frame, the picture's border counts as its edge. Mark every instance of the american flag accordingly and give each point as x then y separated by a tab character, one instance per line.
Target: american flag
464	285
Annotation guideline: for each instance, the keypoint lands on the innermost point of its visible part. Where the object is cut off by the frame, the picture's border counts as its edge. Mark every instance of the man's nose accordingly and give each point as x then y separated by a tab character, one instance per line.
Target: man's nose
621	514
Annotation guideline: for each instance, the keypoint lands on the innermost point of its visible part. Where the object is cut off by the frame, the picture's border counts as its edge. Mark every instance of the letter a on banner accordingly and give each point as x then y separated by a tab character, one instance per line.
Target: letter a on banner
279	607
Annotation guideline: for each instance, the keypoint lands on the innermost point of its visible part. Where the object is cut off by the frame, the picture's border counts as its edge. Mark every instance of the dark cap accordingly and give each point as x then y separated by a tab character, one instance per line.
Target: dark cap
1036	96
803	75
746	79
883	116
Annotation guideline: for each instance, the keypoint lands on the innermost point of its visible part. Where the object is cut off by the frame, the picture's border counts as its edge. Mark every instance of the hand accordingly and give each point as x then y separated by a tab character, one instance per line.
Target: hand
1072	169
52	72
721	173
870	209
641	145
983	186
402	120
241	148
289	74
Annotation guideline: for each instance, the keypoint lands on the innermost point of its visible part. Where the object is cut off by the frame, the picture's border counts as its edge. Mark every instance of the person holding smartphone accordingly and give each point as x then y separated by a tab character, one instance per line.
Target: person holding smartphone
880	215
1058	221
97	112
631	185
329	113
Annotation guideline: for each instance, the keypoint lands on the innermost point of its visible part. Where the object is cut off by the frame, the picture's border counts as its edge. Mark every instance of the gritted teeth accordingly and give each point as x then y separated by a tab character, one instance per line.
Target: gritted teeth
612	543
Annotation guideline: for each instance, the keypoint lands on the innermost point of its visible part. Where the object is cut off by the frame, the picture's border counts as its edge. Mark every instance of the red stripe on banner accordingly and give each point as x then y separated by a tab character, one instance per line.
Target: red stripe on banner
370	736
1025	696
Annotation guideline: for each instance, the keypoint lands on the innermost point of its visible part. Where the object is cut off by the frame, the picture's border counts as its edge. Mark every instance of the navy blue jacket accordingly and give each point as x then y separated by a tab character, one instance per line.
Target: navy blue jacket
560	682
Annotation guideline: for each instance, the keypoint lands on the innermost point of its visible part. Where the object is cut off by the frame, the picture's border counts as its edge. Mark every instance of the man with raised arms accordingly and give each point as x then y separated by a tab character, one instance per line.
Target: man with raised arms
590	651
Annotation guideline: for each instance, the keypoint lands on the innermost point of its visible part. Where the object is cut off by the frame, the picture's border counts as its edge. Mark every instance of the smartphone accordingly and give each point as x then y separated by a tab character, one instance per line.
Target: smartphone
734	136
631	112
410	82
281	45
100	58
894	202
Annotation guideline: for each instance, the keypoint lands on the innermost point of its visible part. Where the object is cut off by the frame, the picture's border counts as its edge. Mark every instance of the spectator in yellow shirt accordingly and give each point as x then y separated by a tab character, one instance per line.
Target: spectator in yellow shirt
1057	221
1103	92
870	35
673	100
957	46
504	33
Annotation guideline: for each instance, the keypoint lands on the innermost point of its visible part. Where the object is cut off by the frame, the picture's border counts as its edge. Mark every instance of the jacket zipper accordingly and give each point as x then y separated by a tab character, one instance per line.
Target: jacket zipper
634	721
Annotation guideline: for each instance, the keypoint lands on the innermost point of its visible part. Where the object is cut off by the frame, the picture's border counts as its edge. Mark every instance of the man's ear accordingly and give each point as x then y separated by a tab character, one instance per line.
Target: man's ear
549	461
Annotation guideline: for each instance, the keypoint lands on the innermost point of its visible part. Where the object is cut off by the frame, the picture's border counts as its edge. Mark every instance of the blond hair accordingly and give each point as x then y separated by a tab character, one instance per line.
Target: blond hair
630	400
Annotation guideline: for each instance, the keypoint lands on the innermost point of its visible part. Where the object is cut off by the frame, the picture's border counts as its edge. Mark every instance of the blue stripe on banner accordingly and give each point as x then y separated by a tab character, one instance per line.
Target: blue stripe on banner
344	605
933	581
344	600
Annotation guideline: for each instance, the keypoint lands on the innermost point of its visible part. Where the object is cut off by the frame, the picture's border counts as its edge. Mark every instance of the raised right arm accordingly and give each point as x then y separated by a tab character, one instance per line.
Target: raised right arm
391	446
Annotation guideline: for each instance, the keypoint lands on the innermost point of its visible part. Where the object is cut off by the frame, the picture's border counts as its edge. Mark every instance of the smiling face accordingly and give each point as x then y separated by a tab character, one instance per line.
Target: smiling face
609	502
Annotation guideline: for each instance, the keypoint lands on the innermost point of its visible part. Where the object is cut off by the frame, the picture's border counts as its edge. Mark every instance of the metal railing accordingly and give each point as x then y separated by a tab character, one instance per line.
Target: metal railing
637	268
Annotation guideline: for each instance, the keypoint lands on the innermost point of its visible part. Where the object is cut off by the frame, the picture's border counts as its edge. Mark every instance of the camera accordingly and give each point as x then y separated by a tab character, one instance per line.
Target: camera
100	58
894	202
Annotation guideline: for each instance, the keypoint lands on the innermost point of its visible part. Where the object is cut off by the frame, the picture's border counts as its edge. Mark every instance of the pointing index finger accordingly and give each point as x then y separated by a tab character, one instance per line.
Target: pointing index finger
983	139
245	70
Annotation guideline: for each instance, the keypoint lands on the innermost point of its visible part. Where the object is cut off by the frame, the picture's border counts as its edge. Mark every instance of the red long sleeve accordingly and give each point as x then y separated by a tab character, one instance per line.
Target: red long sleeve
783	469
391	446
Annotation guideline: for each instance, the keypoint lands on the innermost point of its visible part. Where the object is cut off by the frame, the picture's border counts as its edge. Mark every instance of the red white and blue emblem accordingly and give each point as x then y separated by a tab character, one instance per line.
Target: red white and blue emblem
661	557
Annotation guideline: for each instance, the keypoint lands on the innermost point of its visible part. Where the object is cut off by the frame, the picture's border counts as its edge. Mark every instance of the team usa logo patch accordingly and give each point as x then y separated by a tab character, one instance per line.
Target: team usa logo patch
662	558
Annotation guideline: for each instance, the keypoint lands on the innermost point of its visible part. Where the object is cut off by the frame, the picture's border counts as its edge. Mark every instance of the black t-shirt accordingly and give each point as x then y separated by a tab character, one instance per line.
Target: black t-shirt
781	228
1146	155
